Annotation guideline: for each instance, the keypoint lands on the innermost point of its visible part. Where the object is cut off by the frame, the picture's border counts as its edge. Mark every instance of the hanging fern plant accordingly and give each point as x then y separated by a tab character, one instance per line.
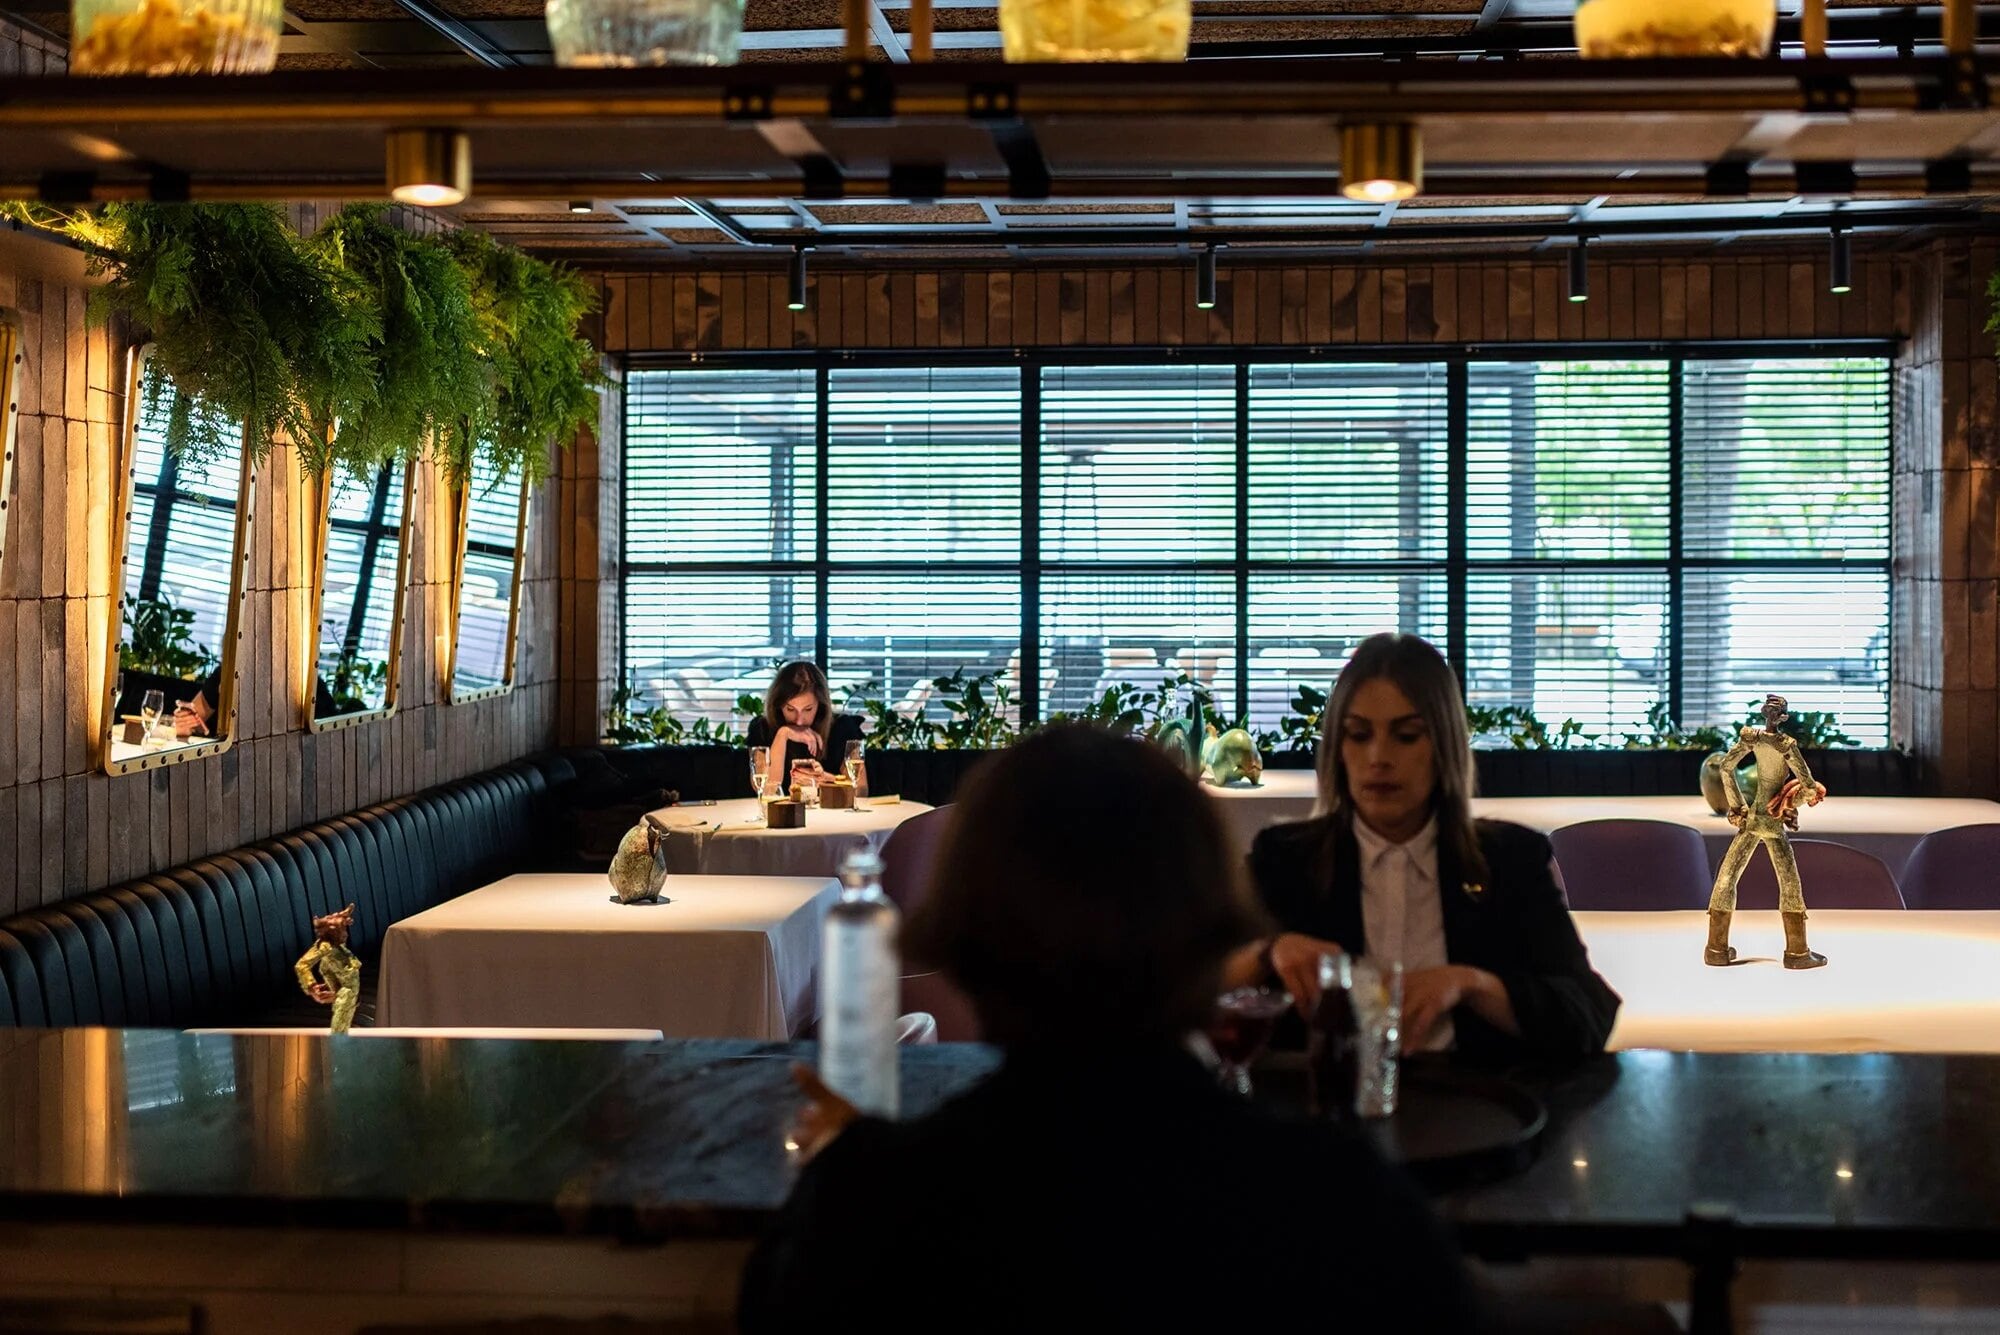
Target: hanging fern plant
542	376
252	326
456	344
429	371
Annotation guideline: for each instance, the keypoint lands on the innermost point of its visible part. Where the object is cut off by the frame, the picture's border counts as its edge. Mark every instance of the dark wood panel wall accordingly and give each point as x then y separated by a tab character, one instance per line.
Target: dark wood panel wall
1947	632
1946	665
65	829
1766	296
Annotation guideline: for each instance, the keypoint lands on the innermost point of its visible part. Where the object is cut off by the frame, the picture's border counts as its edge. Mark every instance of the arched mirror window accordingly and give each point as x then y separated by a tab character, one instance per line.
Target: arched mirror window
183	531
361	560
10	413
486	594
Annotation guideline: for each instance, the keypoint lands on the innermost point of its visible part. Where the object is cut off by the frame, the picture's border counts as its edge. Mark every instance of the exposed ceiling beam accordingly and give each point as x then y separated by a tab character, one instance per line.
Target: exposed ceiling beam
1600	228
720	220
459	34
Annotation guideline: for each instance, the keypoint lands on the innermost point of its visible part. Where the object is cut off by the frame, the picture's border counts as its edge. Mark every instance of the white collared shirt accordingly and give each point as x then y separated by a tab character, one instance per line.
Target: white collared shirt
1402	912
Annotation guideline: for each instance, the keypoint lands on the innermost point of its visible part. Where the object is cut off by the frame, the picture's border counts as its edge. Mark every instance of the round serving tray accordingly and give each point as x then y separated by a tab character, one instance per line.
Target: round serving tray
1453	1127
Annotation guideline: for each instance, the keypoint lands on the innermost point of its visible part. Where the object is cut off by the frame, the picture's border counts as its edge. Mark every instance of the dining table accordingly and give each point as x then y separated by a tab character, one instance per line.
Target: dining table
716	957
1887	827
730	838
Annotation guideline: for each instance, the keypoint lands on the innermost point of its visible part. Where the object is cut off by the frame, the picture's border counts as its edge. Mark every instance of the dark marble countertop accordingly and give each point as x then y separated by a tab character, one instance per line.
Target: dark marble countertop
649	1141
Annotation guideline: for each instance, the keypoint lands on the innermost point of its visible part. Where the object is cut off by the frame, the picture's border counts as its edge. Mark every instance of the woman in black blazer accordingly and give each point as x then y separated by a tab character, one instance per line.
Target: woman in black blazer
1494	967
798	723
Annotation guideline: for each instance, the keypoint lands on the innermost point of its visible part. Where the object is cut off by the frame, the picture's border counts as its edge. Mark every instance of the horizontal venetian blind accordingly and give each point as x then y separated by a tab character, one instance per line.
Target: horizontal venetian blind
892	636
720	465
924	464
1103	628
1347	462
1787	459
1305	626
1568	460
181	545
363	558
486	587
696	641
1138	463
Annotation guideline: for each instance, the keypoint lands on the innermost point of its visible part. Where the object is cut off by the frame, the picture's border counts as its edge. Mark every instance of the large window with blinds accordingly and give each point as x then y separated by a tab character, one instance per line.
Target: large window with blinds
1587	538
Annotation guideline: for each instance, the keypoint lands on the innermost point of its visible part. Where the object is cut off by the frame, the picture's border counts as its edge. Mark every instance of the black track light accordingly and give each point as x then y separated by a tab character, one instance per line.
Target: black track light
797	300
1204	279
1840	263
1579	270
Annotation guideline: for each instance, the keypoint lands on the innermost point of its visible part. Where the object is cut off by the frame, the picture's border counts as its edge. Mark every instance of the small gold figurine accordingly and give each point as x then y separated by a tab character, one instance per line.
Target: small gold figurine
339	980
1783	782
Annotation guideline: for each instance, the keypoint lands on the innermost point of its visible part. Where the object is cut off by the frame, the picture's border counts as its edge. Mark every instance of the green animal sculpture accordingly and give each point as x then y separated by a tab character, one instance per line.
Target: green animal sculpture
1232	757
1183	735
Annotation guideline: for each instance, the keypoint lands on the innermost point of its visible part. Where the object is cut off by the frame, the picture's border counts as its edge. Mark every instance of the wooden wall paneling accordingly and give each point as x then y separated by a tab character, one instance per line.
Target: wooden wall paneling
1395	306
1620	306
735	316
1270	326
27	695
1646	322
1368	306
54	846
925	334
9	866
1000	318
902	310
1548	303
1420	301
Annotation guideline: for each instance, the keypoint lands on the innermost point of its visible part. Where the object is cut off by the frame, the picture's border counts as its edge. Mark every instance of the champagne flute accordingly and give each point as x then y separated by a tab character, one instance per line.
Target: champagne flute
760	769
150	708
852	761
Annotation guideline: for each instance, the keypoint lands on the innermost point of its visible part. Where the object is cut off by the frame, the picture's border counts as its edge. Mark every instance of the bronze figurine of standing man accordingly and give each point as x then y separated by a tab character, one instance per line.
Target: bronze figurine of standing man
329	972
1783	782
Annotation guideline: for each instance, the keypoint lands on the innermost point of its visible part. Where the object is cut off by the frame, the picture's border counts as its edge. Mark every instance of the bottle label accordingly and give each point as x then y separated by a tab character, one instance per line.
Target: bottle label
857	1028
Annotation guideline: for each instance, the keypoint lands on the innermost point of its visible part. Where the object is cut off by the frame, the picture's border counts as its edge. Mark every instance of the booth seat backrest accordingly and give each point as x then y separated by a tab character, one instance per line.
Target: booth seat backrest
214	941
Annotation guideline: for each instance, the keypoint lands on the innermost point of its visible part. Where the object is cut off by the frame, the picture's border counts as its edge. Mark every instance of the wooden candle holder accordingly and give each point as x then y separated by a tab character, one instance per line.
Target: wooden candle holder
784	814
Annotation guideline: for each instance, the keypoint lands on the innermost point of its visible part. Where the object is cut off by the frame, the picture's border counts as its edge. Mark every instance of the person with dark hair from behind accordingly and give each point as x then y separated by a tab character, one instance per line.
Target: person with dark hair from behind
798	723
1395	866
1100	1179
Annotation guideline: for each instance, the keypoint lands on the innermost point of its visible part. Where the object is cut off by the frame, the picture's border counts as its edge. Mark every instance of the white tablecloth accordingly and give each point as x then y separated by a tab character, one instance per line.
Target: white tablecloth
1894	982
728	957
729	838
1888	827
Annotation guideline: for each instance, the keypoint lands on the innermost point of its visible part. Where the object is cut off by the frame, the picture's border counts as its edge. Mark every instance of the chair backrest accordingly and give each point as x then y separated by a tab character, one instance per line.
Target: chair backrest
1957	868
1632	864
910	855
1835	876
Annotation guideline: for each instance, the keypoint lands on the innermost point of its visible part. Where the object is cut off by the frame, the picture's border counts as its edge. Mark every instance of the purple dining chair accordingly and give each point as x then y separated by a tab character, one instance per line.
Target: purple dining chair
1835	877
908	860
1632	864
910	855
1957	868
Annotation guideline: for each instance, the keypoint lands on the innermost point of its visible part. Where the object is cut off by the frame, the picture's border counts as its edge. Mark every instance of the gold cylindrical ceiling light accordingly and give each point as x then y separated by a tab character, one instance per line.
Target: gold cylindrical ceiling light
431	168
1380	162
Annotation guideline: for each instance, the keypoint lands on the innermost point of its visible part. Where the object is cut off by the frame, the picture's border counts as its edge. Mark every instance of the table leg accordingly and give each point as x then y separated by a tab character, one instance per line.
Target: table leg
1712	1266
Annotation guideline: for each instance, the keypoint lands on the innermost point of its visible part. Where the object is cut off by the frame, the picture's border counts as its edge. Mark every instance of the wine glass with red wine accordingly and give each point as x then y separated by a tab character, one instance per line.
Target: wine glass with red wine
1241	1026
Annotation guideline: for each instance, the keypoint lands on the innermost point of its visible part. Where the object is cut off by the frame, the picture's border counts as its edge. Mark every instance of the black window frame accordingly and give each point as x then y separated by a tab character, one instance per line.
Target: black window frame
1456	566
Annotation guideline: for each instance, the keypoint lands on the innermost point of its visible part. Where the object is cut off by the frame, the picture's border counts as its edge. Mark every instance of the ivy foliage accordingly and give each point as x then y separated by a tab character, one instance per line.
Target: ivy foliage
361	343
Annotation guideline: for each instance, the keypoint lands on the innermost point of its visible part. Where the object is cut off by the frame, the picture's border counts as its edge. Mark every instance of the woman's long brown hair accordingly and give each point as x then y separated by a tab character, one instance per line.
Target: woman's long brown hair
799	678
1420	672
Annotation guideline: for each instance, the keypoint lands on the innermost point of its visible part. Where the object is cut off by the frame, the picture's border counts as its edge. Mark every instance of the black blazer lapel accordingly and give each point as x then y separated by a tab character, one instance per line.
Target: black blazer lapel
1344	897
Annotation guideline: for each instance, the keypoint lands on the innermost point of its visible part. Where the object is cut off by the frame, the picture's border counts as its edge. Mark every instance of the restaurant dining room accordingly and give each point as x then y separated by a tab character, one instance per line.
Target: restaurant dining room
999	665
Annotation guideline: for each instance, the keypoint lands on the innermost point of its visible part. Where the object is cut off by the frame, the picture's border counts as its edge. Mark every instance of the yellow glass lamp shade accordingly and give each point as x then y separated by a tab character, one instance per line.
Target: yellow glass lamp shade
175	36
1092	30
1643	28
